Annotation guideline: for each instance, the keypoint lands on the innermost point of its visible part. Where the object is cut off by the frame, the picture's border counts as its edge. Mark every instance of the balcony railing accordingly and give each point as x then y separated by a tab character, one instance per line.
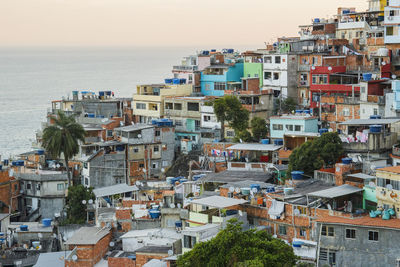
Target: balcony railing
248	166
186	68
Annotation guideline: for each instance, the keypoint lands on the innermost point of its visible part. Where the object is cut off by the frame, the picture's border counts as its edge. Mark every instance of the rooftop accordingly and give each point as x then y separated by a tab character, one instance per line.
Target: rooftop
3	216
35	227
361	221
361	175
218	202
114	189
394	169
43	176
154	249
294	117
369	121
87	236
301	134
135	127
336	191
54	259
255	147
235	176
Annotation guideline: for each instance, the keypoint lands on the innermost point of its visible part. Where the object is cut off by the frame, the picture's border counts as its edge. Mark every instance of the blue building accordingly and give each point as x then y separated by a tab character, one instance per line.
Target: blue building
215	79
279	125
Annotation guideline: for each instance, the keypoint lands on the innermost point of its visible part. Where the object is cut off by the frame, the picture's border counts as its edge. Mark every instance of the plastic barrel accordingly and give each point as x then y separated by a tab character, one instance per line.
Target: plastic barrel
346	160
46	222
322	131
297	175
375	128
265	141
367	76
23	227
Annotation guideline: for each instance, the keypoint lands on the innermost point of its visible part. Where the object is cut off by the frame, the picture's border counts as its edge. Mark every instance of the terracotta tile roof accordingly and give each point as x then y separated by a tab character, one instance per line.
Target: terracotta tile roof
362	221
168	192
394	169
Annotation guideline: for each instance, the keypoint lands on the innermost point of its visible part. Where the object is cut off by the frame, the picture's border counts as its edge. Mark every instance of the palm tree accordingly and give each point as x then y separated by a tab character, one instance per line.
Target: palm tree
62	137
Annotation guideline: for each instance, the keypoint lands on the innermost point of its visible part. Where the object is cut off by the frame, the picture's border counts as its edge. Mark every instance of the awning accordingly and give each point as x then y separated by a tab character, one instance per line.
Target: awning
114	189
361	175
255	147
369	121
277	208
218	202
336	191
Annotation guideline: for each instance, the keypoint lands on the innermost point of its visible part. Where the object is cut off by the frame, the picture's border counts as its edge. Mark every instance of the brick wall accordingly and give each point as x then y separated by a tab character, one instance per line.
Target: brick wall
142	258
123	214
121	262
127	203
8	183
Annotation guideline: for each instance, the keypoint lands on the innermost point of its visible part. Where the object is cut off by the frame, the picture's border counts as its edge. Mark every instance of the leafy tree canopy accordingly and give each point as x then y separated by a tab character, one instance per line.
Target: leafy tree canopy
258	128
286	106
235	247
76	210
312	155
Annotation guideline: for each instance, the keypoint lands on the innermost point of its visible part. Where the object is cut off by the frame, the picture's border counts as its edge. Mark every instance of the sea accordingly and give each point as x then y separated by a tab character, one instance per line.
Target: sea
30	78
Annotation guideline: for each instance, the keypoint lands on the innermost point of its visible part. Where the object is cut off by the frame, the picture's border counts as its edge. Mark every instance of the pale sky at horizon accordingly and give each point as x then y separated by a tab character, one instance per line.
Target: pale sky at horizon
158	22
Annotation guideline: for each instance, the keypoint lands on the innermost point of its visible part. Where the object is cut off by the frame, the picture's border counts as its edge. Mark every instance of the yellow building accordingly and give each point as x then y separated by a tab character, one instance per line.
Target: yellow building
388	188
148	102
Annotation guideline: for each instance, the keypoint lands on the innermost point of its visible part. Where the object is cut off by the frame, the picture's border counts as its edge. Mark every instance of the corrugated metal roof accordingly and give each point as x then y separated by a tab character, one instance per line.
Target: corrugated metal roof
336	191
369	121
255	147
218	201
114	189
361	175
87	236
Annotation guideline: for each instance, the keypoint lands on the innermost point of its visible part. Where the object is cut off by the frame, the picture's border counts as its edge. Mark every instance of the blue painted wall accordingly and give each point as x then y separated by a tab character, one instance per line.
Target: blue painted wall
233	74
307	125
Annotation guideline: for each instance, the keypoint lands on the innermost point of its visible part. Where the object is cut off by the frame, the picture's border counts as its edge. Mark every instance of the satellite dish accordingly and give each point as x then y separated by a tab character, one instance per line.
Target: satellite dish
262	102
371	184
58	166
296	212
84	202
74	257
162	170
137	183
170	252
373	167
139	136
112	244
144	169
11	172
389	187
254	190
383	63
237	190
240	213
359	158
231	189
179	205
104	120
172	206
90	201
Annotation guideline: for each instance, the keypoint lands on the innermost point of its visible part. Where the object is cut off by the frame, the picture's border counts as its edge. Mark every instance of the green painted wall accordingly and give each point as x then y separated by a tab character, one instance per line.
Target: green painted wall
369	194
252	69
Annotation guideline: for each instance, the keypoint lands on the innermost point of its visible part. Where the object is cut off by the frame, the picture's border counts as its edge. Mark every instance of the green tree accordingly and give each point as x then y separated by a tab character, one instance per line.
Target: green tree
244	135
285	106
258	128
62	137
234	247
229	109
330	148
76	210
305	158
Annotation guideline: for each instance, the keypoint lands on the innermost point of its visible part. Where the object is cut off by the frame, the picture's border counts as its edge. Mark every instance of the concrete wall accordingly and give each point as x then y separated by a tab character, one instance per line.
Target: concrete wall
361	251
107	170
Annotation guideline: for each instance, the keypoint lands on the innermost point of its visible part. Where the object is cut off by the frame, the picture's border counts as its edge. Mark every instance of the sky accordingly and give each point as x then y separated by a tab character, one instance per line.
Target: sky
158	22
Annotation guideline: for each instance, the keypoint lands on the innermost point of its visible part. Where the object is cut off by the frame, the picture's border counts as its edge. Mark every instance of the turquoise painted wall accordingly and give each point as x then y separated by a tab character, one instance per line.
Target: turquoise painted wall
309	126
369	194
233	74
251	69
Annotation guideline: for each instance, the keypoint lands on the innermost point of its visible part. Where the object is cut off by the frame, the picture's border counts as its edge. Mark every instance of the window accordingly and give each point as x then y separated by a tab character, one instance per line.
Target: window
153	107
28	186
178	123
141	165
60	187
109	133
297	128
276	75
38	187
373	235
277	127
156	149
219	86
164	163
320	79
267	75
268	59
375	111
154	165
332	258
277	60
346	112
315	60
190	78
140	105
303	232
256	75
289	127
282	229
351	233
136	150
193	106
207	118
301	209
207	87
178	106
327	231
197	125
189	241
389	31
157	133
230	133
168	106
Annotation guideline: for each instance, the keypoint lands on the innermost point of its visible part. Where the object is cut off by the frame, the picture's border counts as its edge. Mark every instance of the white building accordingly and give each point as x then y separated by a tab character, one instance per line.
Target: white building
392	22
194	235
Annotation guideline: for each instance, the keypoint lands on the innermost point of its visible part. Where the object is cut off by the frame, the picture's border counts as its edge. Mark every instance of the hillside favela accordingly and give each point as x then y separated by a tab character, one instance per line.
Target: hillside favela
283	155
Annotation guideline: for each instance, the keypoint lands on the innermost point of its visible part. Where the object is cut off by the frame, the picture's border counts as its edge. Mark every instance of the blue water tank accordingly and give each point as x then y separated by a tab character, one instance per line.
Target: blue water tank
265	141
297	244
297	175
120	148
6	162
154	122
132	257
75	92
176	81
346	160
206	52
108	93
346	11
40	152
257	186
375	128
178	224
182	81
196	177
270	189
322	131
101	93
91	115
278	142
375	117
168	81
18	163
299	111
213	50
316	20
307	111
154	214
23	228
230	50
2	234
46	222
367	76
1	167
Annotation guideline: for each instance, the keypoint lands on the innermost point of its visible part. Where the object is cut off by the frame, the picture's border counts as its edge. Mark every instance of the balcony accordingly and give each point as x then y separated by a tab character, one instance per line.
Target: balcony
92	139
396	150
304	67
304	83
249	166
184	68
377	143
